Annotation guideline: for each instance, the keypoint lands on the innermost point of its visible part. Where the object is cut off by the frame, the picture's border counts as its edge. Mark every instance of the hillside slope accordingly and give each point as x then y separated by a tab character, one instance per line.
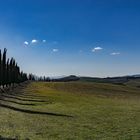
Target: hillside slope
73	110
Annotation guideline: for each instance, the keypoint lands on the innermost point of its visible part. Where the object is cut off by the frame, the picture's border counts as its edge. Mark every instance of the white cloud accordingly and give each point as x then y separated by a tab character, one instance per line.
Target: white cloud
96	49
26	43
115	53
55	50
44	41
34	41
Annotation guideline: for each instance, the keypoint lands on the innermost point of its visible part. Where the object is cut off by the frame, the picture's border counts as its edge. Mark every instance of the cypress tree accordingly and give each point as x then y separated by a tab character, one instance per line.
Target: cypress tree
0	69
17	73
10	71
4	67
13	72
7	72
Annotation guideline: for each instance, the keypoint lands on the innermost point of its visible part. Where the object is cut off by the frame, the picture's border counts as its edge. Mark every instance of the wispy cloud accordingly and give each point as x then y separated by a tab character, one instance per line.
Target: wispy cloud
34	41
115	53
55	50
44	41
96	49
26	43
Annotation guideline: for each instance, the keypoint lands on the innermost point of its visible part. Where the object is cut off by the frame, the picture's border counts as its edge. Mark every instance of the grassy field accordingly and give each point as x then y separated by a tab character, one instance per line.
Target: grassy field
71	111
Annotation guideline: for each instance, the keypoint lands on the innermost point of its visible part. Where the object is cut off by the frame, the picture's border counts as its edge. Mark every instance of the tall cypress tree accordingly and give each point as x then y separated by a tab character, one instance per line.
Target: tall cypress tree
4	67
13	71
10	71
0	69
7	72
17	73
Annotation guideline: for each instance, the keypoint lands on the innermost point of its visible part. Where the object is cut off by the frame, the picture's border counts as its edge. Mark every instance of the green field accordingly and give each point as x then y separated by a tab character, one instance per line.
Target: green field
71	111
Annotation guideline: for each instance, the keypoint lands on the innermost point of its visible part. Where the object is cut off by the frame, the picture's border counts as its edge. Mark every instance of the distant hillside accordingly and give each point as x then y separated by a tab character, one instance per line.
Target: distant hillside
137	75
67	79
114	80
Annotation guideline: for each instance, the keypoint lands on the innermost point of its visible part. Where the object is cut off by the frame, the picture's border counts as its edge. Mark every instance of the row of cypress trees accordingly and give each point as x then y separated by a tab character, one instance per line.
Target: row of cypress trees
9	71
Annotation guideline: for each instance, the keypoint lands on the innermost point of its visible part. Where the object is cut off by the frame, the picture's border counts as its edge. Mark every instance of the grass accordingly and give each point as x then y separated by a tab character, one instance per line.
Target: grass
74	111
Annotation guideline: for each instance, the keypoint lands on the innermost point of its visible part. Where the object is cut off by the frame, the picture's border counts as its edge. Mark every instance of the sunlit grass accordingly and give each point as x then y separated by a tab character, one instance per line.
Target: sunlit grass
100	111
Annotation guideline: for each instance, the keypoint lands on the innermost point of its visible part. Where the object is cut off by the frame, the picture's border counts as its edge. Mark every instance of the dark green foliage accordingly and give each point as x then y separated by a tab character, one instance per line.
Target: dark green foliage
7	72
4	67
31	77
10	71
0	69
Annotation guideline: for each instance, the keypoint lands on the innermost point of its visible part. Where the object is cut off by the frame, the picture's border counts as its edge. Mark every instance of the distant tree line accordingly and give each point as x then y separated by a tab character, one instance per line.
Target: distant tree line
33	77
62	79
44	78
9	71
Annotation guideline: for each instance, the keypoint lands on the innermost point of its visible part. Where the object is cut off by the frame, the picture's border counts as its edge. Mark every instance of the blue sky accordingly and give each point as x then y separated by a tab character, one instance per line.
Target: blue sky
63	37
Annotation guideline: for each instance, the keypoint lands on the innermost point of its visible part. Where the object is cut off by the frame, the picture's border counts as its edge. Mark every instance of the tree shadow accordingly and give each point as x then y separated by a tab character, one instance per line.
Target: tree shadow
27	96
4	138
33	112
10	101
22	99
16	138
